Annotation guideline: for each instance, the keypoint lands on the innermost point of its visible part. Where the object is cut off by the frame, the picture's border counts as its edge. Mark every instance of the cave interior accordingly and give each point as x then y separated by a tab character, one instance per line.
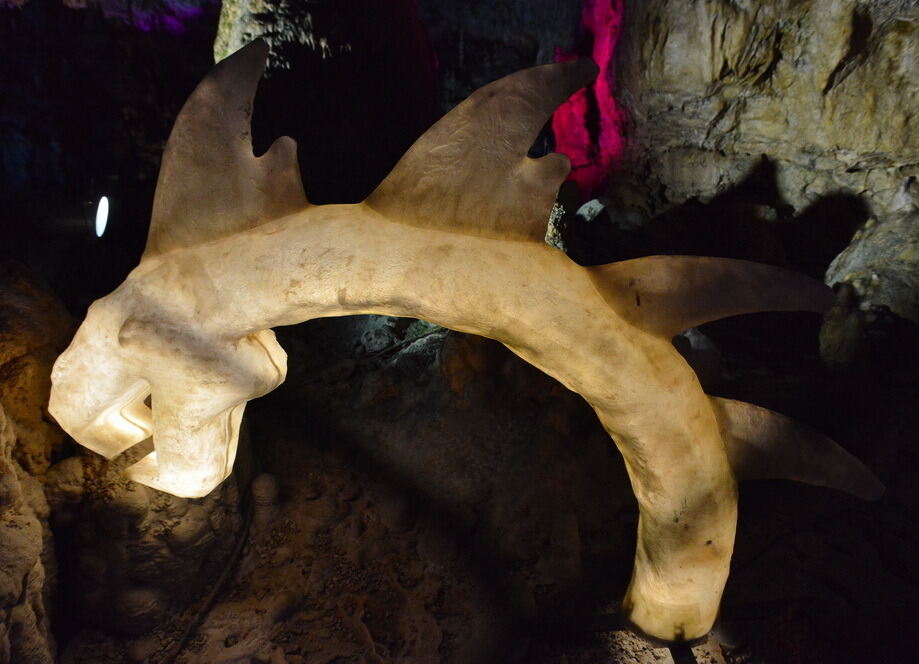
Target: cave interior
416	494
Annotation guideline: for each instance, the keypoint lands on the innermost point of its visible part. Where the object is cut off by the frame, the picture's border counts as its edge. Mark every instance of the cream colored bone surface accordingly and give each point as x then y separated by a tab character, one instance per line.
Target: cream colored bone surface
451	236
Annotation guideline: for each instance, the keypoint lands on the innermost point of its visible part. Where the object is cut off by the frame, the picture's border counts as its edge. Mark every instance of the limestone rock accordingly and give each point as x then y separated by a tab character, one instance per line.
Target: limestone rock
139	609
823	88
22	571
279	23
34	328
65	485
882	262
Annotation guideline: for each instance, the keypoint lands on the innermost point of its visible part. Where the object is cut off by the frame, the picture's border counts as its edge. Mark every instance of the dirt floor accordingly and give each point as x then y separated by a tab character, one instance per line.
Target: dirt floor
439	500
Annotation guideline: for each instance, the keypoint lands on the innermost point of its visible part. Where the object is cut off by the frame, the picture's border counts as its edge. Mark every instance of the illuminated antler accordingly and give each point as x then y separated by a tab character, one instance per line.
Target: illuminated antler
453	236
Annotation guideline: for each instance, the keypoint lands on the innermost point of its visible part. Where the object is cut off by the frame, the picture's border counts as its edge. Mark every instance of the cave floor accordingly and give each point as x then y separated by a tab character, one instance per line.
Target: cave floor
454	505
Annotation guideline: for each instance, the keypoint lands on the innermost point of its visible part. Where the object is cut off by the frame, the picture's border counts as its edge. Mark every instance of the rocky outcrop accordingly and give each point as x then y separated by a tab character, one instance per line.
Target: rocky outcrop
823	88
822	92
24	552
25	548
279	23
33	327
882	261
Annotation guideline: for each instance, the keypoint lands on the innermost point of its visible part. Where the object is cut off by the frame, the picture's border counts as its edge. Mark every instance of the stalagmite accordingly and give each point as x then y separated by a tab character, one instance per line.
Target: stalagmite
454	236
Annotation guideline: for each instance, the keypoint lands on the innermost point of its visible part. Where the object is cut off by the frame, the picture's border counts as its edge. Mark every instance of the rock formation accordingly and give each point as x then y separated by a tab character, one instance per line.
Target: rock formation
34	327
25	554
822	90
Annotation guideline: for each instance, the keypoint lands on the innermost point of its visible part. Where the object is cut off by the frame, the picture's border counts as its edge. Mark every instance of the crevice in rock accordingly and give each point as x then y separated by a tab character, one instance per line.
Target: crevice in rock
775	57
859	40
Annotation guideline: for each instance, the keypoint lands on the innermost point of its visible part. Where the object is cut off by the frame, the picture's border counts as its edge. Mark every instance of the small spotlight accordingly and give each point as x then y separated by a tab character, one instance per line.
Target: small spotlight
101	216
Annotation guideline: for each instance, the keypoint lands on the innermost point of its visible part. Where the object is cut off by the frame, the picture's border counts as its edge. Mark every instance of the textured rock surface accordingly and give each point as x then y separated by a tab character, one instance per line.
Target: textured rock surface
435	508
25	550
34	328
280	23
824	88
135	555
882	262
806	108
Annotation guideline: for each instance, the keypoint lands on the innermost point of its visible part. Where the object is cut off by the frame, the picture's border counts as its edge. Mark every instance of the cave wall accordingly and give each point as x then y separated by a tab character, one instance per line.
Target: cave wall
824	88
818	94
25	559
34	328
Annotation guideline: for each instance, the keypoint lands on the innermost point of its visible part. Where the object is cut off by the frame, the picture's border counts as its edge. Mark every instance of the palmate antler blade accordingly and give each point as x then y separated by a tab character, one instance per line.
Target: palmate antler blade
210	184
470	173
453	236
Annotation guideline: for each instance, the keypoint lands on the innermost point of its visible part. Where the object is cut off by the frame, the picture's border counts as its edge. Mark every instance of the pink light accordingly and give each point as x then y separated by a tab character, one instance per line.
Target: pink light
170	16
595	151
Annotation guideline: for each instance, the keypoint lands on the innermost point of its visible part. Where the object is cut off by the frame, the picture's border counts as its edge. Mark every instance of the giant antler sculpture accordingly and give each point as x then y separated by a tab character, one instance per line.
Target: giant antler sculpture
454	236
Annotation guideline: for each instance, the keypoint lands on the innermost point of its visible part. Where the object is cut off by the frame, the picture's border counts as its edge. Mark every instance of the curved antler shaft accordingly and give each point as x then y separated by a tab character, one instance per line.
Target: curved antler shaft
338	260
453	235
